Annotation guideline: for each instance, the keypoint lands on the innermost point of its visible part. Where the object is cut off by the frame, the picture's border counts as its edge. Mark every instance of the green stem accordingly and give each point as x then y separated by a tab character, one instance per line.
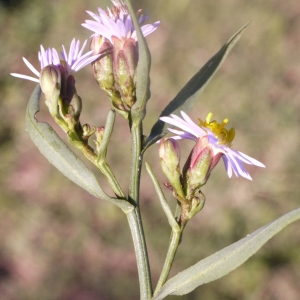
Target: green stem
88	152
137	233
136	162
101	161
173	246
134	217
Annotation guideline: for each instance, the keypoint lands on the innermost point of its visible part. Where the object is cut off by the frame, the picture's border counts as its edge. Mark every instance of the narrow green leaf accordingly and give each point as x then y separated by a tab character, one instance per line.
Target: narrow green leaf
190	93
60	155
142	73
163	201
226	260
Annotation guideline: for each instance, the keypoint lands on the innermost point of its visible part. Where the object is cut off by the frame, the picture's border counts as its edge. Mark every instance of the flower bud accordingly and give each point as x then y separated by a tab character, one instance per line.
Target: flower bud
197	168
170	159
87	131
99	137
197	203
125	62
103	66
50	81
70	106
75	107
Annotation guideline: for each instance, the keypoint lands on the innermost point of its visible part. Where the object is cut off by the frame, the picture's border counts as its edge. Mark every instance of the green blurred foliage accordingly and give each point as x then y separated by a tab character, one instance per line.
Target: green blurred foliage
58	242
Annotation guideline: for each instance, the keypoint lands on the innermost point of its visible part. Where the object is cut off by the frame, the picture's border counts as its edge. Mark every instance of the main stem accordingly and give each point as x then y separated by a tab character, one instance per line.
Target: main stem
134	216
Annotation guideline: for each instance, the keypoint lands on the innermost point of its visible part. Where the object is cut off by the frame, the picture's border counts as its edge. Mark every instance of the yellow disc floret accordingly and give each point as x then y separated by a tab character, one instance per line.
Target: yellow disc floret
223	135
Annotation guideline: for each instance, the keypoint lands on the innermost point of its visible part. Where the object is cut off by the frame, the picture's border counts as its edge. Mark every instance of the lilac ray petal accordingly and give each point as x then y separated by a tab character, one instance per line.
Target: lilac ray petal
71	51
238	167
43	57
149	28
55	57
99	29
82	48
50	56
90	23
120	29
132	25
25	77
93	15
179	132
250	159
76	50
128	27
195	130
31	67
108	22
232	166
183	134
143	19
85	61
176	123
227	165
192	123
64	54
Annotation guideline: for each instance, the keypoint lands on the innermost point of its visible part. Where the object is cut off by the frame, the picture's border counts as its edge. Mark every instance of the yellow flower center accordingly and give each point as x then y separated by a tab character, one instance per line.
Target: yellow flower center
224	136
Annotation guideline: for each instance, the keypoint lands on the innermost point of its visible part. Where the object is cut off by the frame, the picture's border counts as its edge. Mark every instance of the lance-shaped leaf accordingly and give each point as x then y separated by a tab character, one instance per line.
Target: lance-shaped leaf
226	260
190	93
142	72
163	201
60	155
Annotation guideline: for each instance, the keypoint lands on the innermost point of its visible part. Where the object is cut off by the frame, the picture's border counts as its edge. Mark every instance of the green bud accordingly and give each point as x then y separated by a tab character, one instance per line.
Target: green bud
75	106
50	81
87	131
169	154
103	66
197	203
125	63
99	137
197	169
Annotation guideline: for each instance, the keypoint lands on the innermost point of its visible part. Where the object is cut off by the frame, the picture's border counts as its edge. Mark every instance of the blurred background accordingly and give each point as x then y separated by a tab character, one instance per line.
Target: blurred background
57	242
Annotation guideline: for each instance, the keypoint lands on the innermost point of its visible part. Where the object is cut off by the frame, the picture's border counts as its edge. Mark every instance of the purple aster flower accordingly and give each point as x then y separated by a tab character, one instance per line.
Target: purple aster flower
114	32
213	135
117	22
72	62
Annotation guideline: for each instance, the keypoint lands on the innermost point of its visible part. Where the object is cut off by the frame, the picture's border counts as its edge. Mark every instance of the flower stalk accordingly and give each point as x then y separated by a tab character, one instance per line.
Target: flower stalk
173	246
134	217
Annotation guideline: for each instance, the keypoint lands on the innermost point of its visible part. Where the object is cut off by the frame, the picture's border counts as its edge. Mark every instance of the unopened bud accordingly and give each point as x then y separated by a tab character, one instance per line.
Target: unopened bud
125	62
50	81
170	159
103	66
75	107
197	203
99	137
87	131
197	168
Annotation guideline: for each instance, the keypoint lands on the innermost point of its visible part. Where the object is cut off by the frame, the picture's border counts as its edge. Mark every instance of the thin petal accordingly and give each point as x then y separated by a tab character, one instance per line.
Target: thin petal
82	48
31	67
227	165
25	77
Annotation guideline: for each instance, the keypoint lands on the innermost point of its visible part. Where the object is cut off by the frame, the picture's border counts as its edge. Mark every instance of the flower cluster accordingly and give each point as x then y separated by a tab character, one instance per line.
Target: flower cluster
114	34
116	22
114	57
217	138
213	142
71	62
114	54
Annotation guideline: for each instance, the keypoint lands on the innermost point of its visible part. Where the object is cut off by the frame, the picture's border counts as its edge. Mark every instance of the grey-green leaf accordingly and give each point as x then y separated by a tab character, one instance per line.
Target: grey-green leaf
190	93
142	72
60	155
226	260
163	201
